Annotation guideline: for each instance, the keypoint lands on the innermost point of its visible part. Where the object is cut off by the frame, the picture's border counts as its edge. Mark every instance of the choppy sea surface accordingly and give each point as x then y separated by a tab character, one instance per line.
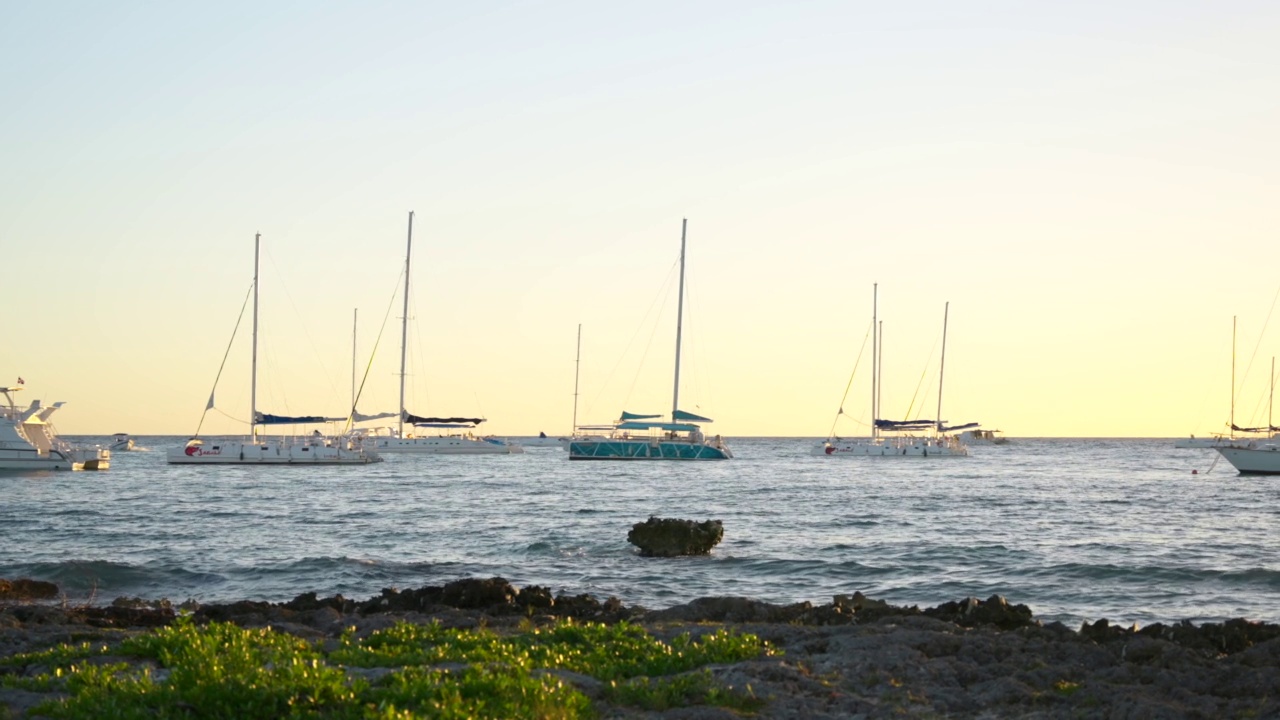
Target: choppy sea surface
1076	529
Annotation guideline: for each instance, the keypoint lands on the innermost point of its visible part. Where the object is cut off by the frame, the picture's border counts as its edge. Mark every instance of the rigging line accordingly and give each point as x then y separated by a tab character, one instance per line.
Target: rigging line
663	293
928	361
849	384
324	369
1261	335
209	405
372	353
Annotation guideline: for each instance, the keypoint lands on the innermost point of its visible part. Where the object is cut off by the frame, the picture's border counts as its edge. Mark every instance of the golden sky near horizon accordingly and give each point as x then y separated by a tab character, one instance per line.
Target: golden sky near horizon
1092	188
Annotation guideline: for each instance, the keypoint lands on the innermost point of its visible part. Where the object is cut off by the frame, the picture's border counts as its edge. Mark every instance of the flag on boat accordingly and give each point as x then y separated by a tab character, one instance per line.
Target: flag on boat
21	381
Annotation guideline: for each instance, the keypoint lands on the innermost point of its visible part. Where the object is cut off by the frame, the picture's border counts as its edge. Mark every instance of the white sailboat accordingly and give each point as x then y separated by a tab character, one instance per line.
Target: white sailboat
1259	455
455	436
649	437
254	450
1230	439
897	438
29	442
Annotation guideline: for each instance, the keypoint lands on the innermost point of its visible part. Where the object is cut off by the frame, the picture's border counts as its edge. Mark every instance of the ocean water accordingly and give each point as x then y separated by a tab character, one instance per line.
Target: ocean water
1076	529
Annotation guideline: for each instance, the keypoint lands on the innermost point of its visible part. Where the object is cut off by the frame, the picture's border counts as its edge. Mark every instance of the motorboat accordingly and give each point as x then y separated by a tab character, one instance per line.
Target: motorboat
28	441
120	442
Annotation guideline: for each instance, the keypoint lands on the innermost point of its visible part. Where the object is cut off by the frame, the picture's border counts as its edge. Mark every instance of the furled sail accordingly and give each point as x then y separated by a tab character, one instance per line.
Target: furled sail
439	421
269	419
690	417
635	416
905	425
361	417
953	428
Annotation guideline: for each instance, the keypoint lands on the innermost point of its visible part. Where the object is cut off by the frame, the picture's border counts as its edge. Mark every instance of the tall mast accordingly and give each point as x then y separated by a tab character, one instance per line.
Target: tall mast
404	321
675	395
355	318
253	382
875	360
880	371
577	366
1233	376
942	364
1272	398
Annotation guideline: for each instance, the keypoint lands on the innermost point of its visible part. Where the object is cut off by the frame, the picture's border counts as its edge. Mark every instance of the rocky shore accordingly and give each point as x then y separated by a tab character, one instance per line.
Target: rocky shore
854	657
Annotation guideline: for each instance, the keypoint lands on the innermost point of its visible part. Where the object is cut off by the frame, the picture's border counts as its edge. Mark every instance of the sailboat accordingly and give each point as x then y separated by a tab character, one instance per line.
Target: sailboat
1217	440
315	449
456	437
649	437
1260	455
898	438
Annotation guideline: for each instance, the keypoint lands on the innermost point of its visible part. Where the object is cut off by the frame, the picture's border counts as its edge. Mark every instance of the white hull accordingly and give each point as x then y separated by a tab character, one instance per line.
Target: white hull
1259	460
29	442
545	442
120	443
18	460
982	437
268	452
444	445
1211	442
892	447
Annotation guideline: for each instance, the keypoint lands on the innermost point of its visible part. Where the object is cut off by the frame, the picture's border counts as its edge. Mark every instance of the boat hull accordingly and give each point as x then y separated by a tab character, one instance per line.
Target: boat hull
645	450
868	448
444	446
1264	460
25	460
268	453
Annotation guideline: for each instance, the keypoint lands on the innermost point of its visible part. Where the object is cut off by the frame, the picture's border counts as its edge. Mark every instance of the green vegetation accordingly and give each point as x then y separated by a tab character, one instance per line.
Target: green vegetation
407	671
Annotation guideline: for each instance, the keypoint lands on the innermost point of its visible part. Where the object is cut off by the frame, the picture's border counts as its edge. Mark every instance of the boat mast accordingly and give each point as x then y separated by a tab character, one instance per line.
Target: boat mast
355	318
404	321
1233	376
1271	399
675	395
875	360
942	364
253	381
577	366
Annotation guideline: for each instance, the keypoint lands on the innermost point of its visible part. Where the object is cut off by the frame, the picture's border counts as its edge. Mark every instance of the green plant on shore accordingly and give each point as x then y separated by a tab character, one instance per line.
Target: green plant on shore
405	671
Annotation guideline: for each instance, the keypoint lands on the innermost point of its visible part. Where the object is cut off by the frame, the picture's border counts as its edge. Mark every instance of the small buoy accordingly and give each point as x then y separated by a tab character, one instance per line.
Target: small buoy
1195	472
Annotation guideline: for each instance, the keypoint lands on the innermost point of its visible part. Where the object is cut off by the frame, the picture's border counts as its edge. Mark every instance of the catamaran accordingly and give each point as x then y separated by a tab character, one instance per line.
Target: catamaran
897	438
315	449
455	436
649	437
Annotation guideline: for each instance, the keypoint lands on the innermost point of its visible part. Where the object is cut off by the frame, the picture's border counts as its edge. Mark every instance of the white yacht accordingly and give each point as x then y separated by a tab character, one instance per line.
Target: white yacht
121	442
315	449
28	440
897	438
453	435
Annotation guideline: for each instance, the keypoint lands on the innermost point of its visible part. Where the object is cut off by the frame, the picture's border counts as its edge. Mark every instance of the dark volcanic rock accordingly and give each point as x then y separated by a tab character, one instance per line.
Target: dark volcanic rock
477	594
995	610
668	537
24	589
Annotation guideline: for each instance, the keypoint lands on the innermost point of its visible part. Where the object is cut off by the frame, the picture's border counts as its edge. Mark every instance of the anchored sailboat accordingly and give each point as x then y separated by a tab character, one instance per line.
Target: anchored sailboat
648	437
898	438
314	450
456	438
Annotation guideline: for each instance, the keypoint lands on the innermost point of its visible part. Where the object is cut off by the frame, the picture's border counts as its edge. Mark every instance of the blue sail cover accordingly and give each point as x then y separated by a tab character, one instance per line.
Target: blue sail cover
690	417
905	425
434	421
268	419
645	425
634	416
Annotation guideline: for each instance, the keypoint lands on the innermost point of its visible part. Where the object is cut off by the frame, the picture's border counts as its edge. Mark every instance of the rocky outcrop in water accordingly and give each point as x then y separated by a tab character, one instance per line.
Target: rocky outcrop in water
669	537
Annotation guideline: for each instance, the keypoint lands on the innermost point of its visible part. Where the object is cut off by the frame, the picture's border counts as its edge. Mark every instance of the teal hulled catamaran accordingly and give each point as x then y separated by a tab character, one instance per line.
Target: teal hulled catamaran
650	437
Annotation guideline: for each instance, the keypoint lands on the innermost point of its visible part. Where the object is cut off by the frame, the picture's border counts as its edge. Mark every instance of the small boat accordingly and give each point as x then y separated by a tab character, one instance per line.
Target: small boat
315	449
454	436
120	442
28	440
983	437
544	441
648	437
897	438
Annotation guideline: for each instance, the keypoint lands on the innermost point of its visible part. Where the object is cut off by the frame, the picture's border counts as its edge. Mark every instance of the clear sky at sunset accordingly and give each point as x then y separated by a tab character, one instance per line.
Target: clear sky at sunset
1092	186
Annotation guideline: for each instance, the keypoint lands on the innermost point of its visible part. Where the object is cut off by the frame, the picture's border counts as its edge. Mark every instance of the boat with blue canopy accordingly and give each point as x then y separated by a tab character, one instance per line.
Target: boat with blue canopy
652	437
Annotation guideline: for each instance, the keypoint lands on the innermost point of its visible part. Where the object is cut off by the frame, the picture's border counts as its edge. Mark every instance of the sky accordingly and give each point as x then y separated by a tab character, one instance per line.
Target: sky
1090	186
